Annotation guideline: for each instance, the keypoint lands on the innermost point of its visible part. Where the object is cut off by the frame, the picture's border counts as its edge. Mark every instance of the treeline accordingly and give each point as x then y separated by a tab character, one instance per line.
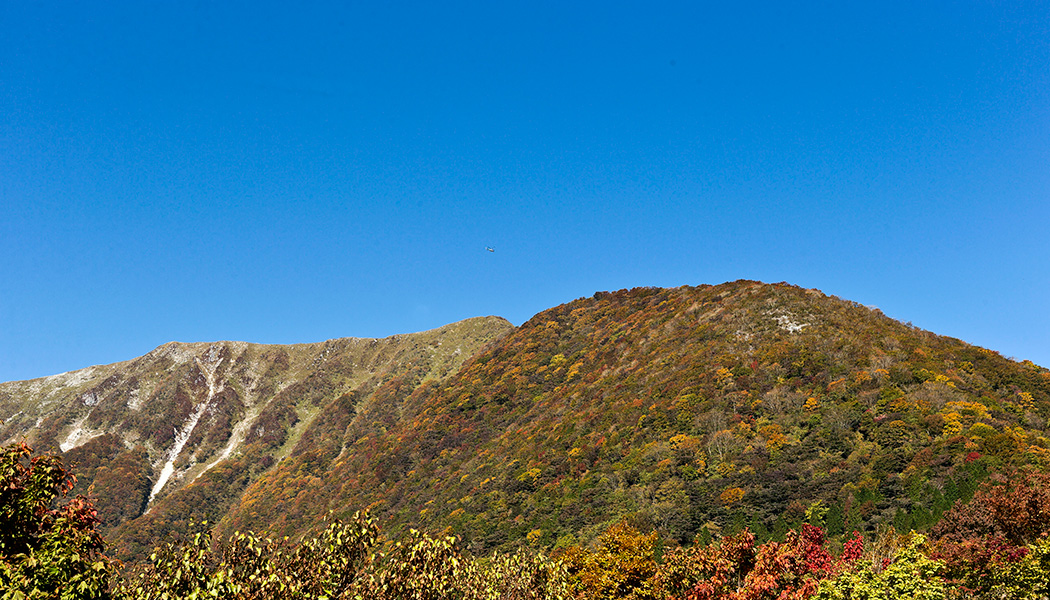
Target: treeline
995	545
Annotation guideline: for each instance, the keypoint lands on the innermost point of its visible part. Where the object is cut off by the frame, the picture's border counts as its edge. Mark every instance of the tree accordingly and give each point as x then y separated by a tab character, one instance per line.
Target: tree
1028	577
49	549
735	568
245	566
981	539
620	566
345	561
908	574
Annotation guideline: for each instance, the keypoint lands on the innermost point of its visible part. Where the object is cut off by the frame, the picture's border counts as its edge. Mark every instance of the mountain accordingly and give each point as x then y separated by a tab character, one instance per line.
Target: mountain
693	410
140	432
686	410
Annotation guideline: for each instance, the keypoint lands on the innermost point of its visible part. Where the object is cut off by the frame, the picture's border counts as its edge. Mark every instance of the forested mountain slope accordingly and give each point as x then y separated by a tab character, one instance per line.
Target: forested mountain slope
691	410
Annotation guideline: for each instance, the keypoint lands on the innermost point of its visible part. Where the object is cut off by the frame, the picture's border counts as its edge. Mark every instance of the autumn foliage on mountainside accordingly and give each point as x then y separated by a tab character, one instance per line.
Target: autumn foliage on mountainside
686	410
51	550
240	408
711	442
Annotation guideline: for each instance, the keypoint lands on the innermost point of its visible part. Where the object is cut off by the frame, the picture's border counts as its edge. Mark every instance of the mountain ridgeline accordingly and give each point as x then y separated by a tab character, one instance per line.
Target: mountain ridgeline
694	411
196	423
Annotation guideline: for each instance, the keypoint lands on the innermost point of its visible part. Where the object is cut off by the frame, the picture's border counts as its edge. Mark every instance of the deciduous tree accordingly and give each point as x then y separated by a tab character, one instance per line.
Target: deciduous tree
49	546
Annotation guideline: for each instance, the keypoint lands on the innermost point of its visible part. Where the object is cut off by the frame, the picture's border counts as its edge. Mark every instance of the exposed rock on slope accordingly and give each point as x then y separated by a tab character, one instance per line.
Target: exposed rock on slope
141	431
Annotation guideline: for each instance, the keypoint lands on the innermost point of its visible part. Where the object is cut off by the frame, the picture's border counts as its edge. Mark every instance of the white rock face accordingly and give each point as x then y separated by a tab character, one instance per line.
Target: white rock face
74	436
183	435
135	400
787	323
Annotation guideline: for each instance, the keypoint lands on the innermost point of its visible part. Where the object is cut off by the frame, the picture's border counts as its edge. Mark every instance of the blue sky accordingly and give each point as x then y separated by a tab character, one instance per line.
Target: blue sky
268	173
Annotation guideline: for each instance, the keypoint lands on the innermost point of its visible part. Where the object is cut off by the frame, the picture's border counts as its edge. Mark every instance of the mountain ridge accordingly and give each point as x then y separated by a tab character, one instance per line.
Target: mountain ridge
125	425
691	410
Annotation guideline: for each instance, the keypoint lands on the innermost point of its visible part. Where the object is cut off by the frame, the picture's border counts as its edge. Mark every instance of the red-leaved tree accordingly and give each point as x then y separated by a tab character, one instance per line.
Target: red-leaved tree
48	548
995	528
736	569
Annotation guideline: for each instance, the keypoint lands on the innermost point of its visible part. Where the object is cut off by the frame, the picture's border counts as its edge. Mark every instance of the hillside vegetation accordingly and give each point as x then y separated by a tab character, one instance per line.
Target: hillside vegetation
691	411
694	412
740	442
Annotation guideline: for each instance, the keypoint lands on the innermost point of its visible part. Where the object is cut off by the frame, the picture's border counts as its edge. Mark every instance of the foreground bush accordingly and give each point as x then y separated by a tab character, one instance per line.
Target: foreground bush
909	573
997	545
625	565
344	561
246	566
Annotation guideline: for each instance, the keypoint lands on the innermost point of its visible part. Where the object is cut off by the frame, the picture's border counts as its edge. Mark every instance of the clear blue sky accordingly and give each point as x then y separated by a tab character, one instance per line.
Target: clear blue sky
268	173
